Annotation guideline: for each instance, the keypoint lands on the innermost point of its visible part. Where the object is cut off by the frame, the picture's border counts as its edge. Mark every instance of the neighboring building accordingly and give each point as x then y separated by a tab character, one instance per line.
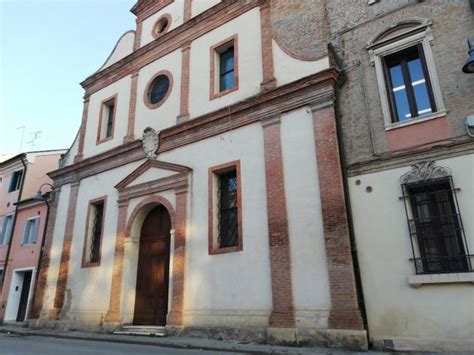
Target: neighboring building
410	166
205	190
230	220
22	221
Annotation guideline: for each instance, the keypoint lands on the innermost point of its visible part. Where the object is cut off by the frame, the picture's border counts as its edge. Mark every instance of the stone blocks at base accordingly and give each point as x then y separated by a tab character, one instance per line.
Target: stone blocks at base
282	336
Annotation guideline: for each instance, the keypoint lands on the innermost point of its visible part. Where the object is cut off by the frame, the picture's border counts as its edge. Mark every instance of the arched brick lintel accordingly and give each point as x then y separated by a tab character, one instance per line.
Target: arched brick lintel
151	200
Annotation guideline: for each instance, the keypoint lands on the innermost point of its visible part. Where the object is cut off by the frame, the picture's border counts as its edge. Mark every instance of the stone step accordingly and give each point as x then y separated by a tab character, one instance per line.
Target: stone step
143	330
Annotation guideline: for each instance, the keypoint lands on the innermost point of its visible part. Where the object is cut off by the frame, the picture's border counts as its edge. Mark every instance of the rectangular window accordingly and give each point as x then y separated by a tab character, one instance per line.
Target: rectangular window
1	278
6	232
408	84
224	68
437	226
225	215
30	232
107	120
15	182
94	232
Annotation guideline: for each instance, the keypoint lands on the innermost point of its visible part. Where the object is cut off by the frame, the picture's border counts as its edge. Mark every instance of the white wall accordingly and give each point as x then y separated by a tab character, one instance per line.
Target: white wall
122	89
288	69
308	254
199	6
165	115
123	47
90	287
57	246
232	288
247	27
394	308
175	9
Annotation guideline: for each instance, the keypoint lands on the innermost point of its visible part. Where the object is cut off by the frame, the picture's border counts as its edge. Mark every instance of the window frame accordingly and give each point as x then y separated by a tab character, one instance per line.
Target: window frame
88	232
146	92
38	219
103	121
12	215
213	232
417	36
18	183
215	52
154	31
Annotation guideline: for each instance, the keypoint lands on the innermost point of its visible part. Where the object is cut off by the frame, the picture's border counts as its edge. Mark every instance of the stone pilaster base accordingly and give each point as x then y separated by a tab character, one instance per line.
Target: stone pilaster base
174	330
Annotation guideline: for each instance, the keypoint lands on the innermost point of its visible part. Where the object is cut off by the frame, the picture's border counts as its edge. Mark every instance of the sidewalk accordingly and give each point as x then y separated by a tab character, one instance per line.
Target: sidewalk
174	342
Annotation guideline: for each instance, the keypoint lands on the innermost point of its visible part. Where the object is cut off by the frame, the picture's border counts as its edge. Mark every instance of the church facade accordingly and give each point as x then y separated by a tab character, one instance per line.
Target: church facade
204	189
257	170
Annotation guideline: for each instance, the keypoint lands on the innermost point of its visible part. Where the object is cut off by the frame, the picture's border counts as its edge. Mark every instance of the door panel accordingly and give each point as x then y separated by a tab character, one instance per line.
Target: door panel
25	292
151	304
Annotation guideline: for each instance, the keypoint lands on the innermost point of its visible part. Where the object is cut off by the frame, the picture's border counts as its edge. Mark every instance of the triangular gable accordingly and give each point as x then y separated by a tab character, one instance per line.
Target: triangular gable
169	169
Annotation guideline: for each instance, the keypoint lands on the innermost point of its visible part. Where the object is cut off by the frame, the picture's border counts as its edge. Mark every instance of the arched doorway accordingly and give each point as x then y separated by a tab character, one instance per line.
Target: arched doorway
151	301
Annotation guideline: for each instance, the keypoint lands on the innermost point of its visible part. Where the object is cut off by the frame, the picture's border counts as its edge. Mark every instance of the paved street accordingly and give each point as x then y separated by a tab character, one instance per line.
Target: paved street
36	345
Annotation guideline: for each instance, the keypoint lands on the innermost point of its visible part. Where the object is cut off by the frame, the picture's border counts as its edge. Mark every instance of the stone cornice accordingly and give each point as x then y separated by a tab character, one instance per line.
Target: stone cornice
390	161
145	8
169	42
312	90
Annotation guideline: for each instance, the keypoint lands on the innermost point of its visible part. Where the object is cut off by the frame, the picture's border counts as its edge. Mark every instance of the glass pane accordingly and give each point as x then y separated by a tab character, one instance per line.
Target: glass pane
396	76
227	60
401	103
159	89
418	81
416	70
227	81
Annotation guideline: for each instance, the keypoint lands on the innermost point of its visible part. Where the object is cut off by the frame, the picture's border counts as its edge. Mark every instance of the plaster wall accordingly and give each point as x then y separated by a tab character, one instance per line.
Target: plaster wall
175	9
199	6
56	246
36	175
394	308
307	246
247	27
227	289
121	88
289	69
123	47
165	115
90	286
23	256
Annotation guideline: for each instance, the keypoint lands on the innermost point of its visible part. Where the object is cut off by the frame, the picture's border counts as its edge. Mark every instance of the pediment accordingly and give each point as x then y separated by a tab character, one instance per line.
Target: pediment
152	170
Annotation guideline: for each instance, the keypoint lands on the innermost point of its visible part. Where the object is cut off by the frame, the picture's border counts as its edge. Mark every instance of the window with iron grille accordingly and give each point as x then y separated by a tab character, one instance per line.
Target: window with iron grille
436	230
94	232
225	221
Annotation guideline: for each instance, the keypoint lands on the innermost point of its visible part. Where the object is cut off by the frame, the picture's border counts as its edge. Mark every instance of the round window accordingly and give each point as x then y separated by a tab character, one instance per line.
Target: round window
161	25
158	89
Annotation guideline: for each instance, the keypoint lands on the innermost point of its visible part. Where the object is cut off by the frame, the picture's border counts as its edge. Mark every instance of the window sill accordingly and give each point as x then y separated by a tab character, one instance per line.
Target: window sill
100	141
28	244
417	281
214	251
412	121
86	265
216	95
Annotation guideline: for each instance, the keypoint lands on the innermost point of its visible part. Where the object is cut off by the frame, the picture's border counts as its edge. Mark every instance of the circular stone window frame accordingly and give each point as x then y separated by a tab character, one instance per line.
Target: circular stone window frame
155	34
146	100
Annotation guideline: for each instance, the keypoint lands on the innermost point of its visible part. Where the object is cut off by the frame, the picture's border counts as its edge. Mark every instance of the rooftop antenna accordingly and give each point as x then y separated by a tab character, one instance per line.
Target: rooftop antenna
35	136
22	135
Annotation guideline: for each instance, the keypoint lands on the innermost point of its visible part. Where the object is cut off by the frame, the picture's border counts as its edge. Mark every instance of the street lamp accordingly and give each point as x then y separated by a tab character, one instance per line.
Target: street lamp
469	66
46	197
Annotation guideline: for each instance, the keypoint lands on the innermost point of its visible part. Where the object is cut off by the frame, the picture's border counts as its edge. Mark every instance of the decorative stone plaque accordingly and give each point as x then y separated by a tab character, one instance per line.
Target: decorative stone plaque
150	142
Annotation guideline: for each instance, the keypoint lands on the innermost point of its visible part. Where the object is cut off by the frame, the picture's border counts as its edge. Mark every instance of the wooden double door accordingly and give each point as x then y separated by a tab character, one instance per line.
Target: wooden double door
151	302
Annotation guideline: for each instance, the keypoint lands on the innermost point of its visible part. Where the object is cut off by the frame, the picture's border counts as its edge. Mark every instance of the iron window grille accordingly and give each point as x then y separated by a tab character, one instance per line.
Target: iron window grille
227	207
96	232
437	237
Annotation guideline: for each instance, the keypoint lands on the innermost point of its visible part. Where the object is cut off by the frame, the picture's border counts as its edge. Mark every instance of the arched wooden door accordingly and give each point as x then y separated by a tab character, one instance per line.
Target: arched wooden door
151	302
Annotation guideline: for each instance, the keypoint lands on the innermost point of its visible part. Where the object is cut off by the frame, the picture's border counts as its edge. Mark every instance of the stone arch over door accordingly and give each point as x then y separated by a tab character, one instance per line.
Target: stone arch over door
128	231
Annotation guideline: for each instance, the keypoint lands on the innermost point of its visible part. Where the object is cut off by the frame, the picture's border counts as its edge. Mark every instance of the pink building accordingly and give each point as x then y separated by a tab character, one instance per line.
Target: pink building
22	222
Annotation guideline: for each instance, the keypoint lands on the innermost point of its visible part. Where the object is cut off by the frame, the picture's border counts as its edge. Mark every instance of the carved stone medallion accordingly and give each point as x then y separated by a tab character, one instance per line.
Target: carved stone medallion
150	142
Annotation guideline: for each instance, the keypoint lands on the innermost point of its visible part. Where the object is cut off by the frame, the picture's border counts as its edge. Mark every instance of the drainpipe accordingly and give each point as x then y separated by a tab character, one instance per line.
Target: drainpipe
343	160
5	266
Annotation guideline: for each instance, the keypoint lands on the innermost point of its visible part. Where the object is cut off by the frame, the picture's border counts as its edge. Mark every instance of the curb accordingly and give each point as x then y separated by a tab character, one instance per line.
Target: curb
142	342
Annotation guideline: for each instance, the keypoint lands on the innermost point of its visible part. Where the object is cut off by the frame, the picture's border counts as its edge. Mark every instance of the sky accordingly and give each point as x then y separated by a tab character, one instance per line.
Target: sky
47	47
